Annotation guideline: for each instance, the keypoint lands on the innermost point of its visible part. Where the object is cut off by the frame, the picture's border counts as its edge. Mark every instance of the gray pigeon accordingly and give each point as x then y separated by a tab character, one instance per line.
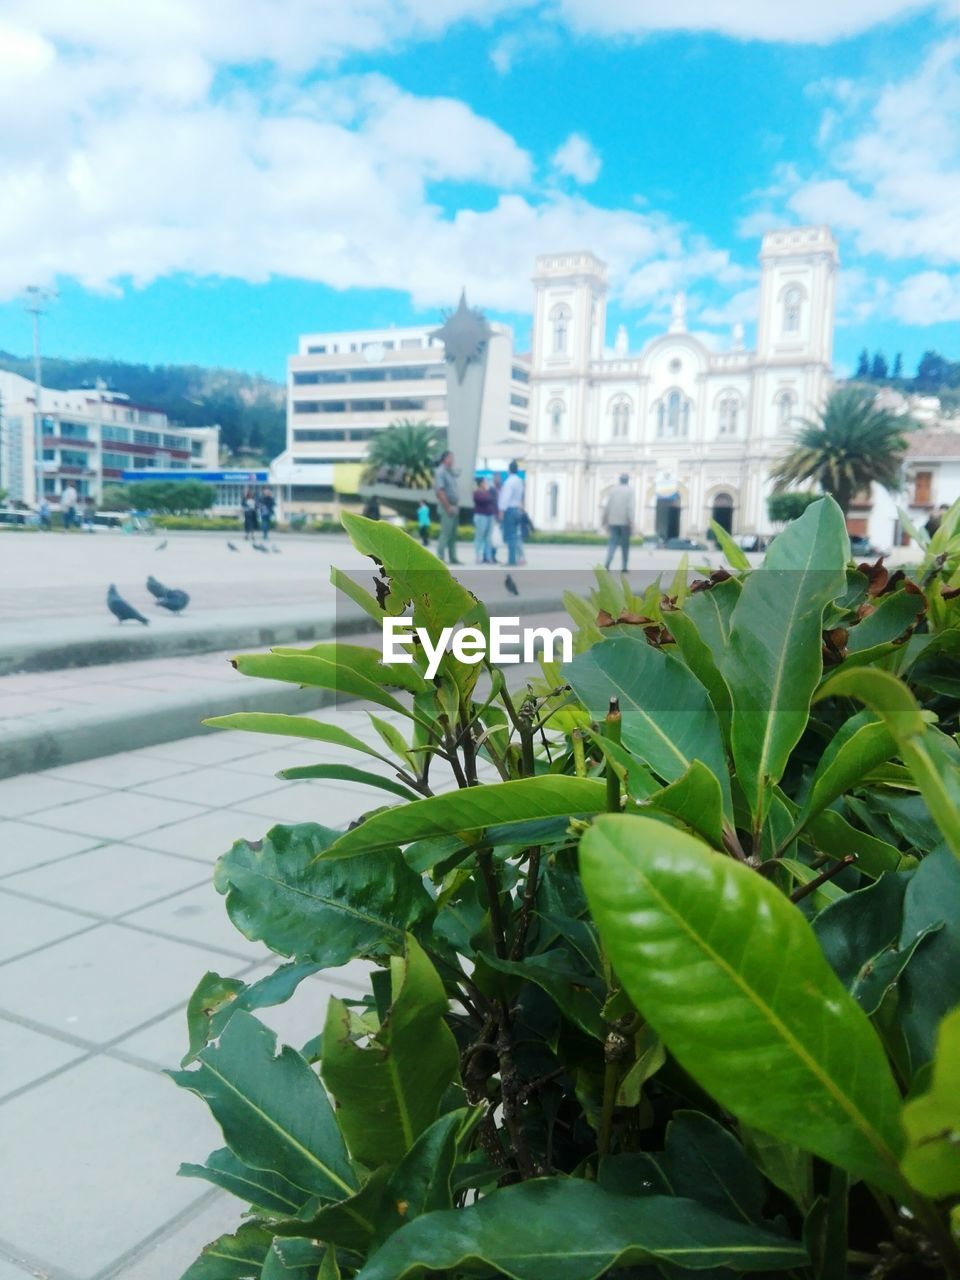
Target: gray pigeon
258	546
174	600
156	589
161	546
122	611
275	549
511	586
231	546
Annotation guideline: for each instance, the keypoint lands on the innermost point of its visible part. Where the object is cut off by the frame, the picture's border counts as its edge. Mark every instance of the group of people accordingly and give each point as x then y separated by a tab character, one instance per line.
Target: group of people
497	510
72	514
258	510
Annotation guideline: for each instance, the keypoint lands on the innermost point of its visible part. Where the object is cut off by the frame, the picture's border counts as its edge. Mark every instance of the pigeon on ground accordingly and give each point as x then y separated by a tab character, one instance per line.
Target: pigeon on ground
231	546
122	611
161	546
174	600
511	586
275	549
156	589
258	546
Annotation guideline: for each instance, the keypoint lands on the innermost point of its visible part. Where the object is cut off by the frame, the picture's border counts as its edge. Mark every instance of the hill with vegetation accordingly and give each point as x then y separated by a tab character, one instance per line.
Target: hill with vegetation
249	409
935	376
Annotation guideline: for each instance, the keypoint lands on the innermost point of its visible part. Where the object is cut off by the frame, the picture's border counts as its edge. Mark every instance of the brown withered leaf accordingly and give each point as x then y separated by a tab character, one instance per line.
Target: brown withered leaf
704	584
865	610
949	593
877	576
835	646
605	619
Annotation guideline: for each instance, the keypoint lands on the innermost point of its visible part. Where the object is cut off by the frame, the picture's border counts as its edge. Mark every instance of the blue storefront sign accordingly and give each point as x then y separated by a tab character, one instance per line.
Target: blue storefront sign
207	477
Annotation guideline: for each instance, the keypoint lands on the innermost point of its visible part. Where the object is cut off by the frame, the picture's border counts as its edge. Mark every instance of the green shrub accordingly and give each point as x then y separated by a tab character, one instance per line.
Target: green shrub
171	496
782	507
651	981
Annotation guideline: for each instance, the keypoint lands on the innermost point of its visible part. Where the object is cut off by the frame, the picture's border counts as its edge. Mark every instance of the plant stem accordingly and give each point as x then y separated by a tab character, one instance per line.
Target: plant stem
612	731
611	1079
511	1092
806	889
579	755
489	873
526	905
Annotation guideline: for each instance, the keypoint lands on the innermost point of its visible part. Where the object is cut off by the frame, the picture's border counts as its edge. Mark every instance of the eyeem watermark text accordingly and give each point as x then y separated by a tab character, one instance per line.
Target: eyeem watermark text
508	642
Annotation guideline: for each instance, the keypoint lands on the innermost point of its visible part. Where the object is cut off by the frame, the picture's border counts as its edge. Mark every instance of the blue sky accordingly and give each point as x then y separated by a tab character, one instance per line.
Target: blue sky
203	182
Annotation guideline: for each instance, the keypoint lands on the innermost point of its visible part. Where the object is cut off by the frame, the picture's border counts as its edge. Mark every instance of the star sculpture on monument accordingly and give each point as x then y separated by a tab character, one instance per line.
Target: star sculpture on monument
464	334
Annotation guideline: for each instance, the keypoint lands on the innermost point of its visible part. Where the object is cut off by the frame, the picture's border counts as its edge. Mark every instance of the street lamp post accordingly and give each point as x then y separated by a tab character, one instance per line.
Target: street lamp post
36	304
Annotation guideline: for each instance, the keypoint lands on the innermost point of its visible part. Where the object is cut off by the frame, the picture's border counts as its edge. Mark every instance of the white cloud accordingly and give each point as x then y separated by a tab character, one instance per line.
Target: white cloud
576	158
928	297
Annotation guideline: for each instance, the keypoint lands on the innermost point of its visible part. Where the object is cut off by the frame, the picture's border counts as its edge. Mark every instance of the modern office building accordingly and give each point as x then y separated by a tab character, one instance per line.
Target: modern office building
345	387
697	430
91	438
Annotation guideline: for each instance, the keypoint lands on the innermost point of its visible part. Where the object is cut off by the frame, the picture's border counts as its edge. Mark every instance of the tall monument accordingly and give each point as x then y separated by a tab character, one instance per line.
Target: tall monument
465	335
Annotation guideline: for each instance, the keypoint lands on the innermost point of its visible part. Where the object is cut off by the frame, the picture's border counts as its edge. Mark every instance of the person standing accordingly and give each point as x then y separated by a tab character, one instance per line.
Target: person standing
618	516
249	515
511	512
447	487
371	508
423	522
68	505
267	507
484	515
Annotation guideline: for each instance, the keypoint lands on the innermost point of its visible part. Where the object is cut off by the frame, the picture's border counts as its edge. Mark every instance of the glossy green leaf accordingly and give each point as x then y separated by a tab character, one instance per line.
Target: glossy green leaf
282	892
577	995
699	942
635	778
858	746
931	1162
891	617
832	834
360	596
259	1187
862	937
317	673
773	662
422	1181
824	894
272	1109
708	1164
347	773
362	660
470	811
930	985
215	1000
711	612
696	800
233	1257
667	717
735	554
567	1229
293	727
920	748
293	1258
389	1092
784	1164
702	661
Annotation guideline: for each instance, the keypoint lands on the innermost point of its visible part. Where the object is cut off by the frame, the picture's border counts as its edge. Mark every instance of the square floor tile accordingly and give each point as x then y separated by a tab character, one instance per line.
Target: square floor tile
106	982
207	748
24	845
174	1253
26	925
334	804
206	837
35	792
109	880
117	815
198	916
99	1134
213	787
126	769
28	1055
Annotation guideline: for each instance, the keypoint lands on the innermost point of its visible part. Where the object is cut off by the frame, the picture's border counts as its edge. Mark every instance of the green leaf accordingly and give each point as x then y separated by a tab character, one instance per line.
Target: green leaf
708	1164
471	810
388	1093
891	617
859	745
736	556
577	995
931	1162
422	1181
272	1109
920	536
699	943
259	1187
393	738
711	612
701	659
215	1000
824	894
696	799
283	892
293	727
667	717
317	673
567	1229
773	663
637	780
236	1257
930	985
861	936
782	1163
292	1258
362	660
359	595
347	773
832	834
328	1268
930	762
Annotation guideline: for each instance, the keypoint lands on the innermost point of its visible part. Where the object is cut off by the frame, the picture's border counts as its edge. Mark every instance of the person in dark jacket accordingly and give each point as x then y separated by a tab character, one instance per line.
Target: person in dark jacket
267	508
249	515
484	515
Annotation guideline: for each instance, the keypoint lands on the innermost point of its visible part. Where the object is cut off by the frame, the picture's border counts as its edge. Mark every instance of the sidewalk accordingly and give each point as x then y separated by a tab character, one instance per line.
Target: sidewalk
108	919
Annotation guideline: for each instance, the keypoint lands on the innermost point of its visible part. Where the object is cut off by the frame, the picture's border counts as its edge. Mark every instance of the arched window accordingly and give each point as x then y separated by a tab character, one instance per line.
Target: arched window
786	403
792	302
729	415
560	320
555	413
673	412
553	500
673	415
620	409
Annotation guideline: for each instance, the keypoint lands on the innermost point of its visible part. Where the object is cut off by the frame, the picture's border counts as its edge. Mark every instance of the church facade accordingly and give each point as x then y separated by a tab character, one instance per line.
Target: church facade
696	430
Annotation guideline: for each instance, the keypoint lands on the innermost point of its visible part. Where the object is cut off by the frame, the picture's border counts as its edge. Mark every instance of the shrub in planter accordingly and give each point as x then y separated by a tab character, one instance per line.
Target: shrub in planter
668	981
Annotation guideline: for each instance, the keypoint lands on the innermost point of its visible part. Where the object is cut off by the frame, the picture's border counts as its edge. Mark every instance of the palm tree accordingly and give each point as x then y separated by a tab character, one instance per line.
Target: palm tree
853	443
404	454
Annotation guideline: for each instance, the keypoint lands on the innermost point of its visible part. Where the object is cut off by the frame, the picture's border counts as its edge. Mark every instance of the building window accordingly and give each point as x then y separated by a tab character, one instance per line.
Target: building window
922	485
673	416
553	500
786	403
729	415
519	401
515	425
620	418
792	302
560	319
555	412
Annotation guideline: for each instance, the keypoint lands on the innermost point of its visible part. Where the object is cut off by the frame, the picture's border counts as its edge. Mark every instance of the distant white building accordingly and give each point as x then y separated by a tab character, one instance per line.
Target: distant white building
90	438
696	430
345	387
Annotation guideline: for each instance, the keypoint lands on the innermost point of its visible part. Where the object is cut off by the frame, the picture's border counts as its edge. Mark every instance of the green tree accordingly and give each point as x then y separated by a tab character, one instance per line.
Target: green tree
171	496
783	507
853	443
933	372
116	497
897	366
878	367
863	364
404	454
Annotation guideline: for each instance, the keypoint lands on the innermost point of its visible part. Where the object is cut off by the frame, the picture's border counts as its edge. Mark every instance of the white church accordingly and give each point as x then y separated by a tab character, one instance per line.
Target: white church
697	431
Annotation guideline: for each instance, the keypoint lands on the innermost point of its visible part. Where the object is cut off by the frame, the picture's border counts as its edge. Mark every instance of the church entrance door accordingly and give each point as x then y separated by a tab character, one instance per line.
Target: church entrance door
723	511
668	518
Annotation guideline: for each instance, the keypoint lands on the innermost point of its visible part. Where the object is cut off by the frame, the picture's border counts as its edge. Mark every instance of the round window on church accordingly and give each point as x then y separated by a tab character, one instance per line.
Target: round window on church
675	365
